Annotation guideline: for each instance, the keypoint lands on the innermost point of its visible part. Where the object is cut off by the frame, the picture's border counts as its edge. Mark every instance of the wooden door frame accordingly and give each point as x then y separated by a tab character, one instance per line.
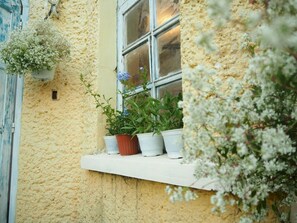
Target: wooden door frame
17	132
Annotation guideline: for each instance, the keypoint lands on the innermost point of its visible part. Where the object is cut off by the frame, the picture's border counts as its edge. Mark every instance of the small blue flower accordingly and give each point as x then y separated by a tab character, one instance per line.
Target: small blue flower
125	112
123	76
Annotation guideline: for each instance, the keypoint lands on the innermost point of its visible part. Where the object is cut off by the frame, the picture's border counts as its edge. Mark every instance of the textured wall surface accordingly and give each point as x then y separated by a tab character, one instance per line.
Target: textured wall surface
55	134
228	40
128	200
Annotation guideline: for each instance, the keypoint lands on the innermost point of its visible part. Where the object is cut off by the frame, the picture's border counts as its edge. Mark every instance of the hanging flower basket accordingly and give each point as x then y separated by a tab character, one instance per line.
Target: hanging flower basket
35	48
44	75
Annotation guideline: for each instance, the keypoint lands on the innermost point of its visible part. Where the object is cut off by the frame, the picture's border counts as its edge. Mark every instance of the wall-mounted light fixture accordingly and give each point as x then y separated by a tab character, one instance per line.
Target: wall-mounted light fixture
53	9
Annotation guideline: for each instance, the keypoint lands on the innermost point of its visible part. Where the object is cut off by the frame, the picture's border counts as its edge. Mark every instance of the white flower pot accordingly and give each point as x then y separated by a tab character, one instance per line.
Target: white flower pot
44	75
111	144
150	144
173	142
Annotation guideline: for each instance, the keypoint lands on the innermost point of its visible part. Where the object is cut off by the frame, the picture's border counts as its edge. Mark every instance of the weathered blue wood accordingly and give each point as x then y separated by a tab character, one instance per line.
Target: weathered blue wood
10	11
6	146
15	150
17	132
4	177
4	23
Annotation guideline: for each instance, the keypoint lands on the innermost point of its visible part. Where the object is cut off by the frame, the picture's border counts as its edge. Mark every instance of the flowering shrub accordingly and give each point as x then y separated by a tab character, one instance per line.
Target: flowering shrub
37	47
243	132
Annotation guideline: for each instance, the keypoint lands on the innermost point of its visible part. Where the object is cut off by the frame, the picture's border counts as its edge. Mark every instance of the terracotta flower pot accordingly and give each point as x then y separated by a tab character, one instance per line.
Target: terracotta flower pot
127	144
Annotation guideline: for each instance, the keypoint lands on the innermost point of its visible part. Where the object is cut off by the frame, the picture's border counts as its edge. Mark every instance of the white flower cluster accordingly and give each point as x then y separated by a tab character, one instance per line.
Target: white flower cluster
180	194
34	48
205	39
247	44
242	132
219	11
280	33
281	7
280	28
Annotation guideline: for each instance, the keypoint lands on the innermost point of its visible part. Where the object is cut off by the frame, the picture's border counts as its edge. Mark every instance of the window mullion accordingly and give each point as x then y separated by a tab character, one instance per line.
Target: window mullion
168	80
136	44
151	37
120	66
169	24
153	47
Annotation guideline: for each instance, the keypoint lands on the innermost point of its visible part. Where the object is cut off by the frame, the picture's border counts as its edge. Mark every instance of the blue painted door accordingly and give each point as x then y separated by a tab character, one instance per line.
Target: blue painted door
10	11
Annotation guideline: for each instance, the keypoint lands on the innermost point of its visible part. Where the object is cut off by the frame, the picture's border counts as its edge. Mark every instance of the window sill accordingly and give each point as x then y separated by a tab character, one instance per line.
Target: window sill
159	169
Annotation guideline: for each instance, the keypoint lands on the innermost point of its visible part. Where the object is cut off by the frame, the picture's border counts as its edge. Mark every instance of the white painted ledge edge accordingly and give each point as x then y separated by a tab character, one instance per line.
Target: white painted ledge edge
159	169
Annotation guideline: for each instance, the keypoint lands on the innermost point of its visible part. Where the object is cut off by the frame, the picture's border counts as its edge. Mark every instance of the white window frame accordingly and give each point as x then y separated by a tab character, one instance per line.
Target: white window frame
151	38
158	168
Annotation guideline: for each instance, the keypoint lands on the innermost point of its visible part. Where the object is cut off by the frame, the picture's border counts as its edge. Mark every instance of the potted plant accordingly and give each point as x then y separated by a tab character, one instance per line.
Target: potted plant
144	112
171	124
128	144
111	114
118	138
37	49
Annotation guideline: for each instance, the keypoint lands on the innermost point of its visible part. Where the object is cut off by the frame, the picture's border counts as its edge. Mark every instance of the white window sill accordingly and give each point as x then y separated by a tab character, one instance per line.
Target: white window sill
159	169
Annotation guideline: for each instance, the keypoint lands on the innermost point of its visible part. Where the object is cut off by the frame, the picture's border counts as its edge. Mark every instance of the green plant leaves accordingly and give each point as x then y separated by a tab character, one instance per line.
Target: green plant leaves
154	115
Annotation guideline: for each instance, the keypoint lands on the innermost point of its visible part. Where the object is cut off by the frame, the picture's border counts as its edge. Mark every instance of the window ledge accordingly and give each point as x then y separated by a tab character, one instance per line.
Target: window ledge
159	169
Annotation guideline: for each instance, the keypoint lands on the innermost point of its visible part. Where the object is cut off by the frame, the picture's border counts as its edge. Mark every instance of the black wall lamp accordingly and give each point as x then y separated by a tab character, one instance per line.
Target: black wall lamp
53	9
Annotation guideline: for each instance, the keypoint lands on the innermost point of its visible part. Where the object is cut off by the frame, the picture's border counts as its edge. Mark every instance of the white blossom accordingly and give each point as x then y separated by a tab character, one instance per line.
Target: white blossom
205	40
37	47
219	11
180	194
242	131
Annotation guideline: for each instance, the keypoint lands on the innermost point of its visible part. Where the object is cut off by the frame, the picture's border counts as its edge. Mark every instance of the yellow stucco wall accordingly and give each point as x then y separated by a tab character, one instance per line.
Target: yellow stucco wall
55	134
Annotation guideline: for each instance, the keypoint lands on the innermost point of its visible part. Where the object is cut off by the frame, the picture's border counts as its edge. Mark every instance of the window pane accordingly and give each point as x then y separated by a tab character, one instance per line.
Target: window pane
136	59
166	9
173	88
169	52
137	21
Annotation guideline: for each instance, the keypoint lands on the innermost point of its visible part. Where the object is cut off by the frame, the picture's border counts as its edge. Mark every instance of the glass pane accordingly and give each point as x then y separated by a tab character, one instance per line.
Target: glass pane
169	52
166	9
137	21
135	60
173	88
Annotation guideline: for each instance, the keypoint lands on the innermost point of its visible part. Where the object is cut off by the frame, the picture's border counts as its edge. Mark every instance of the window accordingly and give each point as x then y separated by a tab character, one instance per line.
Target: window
149	37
